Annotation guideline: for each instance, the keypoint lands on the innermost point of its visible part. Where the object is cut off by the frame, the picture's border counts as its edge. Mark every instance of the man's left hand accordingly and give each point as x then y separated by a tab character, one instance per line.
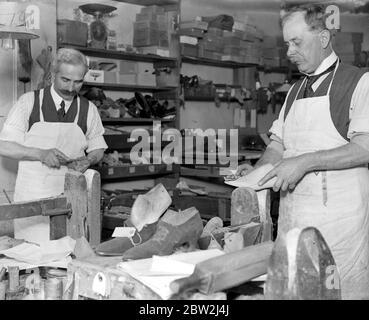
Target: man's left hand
288	171
80	164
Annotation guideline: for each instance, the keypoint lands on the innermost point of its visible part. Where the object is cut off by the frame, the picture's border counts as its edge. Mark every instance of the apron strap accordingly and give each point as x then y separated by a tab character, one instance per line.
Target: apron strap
41	99
78	111
334	73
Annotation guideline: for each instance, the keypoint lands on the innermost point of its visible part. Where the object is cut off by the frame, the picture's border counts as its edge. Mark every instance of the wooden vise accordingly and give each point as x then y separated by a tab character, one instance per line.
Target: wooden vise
75	213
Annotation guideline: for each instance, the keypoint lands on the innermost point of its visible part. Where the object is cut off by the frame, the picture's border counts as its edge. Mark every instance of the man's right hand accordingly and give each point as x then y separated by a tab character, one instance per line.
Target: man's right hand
242	170
53	158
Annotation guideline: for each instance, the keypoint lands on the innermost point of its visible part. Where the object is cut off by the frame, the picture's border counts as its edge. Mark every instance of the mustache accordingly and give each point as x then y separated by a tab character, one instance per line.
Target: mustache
68	93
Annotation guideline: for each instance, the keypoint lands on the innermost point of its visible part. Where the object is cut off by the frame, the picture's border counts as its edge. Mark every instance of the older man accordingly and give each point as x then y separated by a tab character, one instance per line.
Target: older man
50	128
320	149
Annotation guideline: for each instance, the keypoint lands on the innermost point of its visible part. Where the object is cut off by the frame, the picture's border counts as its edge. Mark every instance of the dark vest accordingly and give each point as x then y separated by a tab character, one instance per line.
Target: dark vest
343	86
49	110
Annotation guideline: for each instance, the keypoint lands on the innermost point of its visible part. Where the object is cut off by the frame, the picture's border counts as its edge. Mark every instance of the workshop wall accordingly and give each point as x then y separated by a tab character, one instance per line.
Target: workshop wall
11	88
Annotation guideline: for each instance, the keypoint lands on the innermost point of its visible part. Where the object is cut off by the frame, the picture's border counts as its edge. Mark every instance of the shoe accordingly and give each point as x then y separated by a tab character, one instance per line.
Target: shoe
145	213
174	230
117	246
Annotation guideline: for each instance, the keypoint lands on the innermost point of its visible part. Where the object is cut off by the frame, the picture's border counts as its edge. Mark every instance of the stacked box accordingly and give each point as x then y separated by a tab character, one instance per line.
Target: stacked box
194	24
127	72
189	50
274	52
72	32
151	28
153	9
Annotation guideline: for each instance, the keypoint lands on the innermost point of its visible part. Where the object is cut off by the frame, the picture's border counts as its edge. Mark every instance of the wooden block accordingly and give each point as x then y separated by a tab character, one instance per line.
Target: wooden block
94	217
301	274
75	189
244	206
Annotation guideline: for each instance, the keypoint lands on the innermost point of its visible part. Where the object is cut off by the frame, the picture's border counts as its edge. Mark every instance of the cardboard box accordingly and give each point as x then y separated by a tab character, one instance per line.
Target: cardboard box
192	32
72	32
145	67
188	40
146	79
128	78
110	77
167	79
189	50
233	58
160	51
151	16
153	9
203	25
96	76
128	67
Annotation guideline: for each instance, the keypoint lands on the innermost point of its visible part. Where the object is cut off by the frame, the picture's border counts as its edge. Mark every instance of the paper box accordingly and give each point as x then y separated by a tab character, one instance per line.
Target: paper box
146	79
128	78
94	76
128	67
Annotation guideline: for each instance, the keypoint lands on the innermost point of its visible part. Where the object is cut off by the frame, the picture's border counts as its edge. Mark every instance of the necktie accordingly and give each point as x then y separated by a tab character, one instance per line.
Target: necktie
61	111
309	92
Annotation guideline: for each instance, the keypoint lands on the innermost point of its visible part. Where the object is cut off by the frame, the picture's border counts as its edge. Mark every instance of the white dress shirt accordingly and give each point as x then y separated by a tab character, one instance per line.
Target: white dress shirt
17	122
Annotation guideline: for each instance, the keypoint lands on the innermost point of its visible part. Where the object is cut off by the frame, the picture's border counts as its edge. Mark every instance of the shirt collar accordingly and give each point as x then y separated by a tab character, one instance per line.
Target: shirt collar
326	63
58	99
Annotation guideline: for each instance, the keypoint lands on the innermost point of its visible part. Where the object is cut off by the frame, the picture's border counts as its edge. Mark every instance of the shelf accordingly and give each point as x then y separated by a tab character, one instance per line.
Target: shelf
217	63
115	54
149	2
131	171
208	99
121	141
124	121
126	87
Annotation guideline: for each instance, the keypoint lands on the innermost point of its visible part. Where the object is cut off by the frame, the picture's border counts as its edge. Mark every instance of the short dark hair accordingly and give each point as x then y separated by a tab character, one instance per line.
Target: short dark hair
315	15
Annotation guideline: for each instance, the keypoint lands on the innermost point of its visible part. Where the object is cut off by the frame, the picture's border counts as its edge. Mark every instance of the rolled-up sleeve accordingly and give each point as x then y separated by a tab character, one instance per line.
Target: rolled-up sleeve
95	130
359	109
277	127
16	124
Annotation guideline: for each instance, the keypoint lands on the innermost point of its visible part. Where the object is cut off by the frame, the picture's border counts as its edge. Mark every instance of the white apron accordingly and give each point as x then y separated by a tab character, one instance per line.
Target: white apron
336	202
36	180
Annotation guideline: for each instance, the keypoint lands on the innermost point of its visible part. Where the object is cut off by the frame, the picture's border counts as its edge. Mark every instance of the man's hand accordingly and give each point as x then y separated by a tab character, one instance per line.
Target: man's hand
242	170
53	158
288	172
80	164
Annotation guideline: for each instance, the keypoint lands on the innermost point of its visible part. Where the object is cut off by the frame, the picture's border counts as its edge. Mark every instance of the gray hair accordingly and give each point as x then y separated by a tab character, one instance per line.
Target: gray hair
314	14
70	56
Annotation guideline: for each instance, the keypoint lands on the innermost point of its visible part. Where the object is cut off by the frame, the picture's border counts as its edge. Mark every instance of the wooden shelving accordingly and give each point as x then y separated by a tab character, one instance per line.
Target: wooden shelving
127	87
124	121
150	2
216	63
134	171
115	54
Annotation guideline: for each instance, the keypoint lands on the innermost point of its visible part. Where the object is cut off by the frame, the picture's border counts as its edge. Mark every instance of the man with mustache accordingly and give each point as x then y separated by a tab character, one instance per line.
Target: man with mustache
320	149
52	128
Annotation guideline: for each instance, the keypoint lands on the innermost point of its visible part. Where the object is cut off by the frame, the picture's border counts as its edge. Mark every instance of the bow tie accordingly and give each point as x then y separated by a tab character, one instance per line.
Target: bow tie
309	92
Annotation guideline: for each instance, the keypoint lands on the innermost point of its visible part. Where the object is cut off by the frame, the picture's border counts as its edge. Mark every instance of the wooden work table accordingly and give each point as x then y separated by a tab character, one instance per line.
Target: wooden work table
121	286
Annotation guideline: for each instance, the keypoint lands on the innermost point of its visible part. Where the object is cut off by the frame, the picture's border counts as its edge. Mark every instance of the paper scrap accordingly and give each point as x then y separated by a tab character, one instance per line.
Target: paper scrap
49	251
124	232
33	229
252	179
156	274
7	262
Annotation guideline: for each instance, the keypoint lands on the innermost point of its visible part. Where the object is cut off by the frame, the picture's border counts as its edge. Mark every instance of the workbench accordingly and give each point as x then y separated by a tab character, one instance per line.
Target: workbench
122	286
